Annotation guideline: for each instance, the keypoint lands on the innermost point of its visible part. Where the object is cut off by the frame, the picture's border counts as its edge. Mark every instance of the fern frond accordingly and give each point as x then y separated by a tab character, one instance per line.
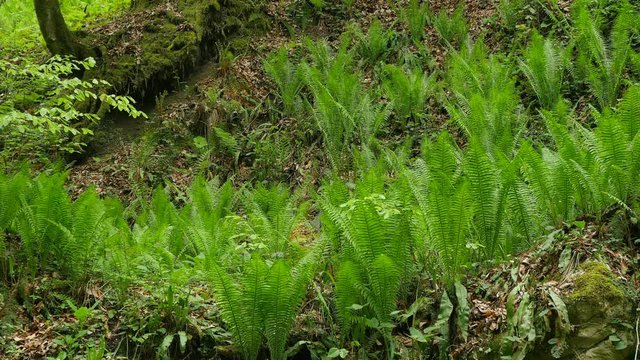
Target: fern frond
629	111
384	277
544	66
232	304
408	91
452	28
287	78
416	15
485	190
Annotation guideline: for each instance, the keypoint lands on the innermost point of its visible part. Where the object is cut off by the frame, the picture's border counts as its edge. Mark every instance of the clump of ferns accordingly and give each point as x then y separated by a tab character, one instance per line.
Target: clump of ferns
407	91
376	44
603	59
544	65
259	300
370	236
288	79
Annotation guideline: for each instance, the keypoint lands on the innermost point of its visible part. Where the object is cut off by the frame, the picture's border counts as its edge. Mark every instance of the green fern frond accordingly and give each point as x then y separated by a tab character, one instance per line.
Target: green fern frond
485	189
602	60
285	290
452	28
384	277
287	78
233	306
416	15
347	288
375	44
12	189
629	111
448	219
544	66
408	91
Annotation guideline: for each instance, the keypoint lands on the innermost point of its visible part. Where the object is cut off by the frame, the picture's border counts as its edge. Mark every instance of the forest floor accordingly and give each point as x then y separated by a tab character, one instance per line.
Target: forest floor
238	75
132	157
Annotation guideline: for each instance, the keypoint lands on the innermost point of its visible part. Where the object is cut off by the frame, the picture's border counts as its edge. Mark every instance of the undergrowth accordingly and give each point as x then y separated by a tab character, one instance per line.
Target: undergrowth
377	247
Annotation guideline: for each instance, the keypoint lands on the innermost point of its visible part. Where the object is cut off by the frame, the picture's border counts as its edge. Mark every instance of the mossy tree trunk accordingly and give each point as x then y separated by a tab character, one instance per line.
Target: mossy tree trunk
56	33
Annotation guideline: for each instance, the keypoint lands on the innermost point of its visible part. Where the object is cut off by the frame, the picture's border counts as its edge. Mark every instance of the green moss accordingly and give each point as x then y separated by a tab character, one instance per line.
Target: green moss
171	45
596	285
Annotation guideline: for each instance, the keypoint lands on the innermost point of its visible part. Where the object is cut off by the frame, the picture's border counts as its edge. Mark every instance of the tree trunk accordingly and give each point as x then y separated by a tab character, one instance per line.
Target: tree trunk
56	33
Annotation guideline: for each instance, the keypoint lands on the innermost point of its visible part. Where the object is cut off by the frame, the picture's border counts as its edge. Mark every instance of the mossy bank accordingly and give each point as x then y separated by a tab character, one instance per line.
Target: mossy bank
155	47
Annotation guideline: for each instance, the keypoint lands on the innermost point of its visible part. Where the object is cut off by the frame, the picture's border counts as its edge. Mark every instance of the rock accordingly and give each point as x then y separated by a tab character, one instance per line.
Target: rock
597	307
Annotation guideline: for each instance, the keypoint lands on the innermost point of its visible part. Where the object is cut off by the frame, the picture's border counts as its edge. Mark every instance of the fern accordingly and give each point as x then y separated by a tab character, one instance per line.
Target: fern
239	306
263	303
603	61
287	78
488	197
613	151
338	96
510	12
416	16
163	217
12	189
374	249
273	216
492	119
442	197
550	183
544	66
408	92
521	212
474	70
370	120
207	219
80	242
375	44
484	103
448	219
348	288
224	141
46	204
285	290
629	112
452	28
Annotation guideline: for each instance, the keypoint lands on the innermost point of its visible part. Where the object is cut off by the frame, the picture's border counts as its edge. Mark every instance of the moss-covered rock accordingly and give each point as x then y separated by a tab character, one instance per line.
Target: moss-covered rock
597	306
596	285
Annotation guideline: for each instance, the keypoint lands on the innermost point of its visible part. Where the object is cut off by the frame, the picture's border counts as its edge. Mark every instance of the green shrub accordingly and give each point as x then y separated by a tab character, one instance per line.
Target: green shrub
42	116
